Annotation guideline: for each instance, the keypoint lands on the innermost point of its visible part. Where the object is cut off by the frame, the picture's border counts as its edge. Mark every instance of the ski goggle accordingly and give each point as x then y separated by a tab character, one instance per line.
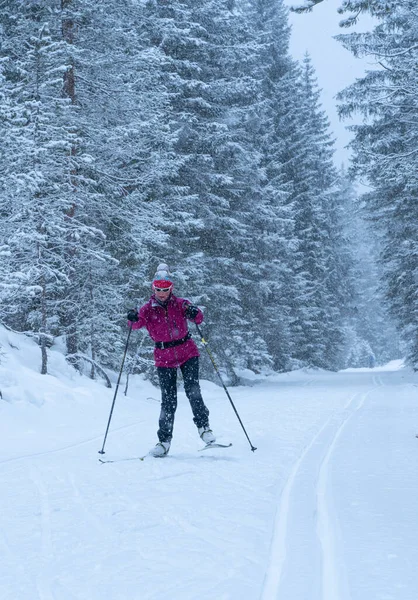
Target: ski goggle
162	289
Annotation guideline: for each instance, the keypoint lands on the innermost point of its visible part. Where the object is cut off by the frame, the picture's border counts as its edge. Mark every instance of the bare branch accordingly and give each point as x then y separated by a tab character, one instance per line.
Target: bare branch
72	357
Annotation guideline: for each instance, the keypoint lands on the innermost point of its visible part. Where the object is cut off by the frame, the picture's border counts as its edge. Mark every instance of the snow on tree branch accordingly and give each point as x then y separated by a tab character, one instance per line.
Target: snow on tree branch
306	7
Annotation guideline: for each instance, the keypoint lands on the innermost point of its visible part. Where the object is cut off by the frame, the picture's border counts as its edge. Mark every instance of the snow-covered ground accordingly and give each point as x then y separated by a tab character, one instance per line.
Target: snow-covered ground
325	509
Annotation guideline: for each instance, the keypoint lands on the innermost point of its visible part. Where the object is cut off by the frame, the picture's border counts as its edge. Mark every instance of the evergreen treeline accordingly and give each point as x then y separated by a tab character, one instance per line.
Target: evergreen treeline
386	151
140	131
385	147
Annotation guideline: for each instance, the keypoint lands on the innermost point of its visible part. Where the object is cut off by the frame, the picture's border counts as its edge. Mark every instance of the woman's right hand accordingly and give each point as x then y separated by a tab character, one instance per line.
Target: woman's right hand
133	315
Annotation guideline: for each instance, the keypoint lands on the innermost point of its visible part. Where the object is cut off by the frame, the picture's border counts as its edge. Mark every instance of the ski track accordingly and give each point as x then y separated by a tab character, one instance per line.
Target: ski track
84	507
69	446
17	567
44	577
332	586
326	580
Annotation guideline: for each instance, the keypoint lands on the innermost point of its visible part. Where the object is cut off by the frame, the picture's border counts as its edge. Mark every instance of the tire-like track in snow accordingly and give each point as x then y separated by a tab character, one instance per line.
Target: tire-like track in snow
305	556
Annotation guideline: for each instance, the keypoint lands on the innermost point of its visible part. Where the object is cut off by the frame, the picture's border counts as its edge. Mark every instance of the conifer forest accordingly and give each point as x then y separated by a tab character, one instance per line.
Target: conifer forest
135	132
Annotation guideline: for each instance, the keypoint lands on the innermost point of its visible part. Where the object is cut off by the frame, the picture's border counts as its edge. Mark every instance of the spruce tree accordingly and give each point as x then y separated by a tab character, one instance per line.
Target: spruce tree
271	215
316	329
35	192
385	150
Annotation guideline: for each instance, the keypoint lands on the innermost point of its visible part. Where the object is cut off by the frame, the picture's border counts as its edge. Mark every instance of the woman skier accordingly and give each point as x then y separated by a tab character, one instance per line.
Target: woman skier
165	317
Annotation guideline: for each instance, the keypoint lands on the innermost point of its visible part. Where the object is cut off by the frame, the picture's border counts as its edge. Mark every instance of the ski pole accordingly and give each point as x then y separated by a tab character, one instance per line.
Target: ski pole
204	342
116	390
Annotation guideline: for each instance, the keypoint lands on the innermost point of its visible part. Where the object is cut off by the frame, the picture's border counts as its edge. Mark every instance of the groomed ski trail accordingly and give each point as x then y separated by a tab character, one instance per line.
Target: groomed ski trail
305	521
71	529
44	579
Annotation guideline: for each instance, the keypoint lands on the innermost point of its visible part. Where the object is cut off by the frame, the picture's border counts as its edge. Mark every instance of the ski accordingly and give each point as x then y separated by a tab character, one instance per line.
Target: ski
215	445
122	459
115	460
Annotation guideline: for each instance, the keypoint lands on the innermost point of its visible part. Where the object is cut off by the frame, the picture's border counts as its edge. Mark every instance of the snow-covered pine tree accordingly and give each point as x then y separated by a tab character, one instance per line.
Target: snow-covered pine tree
205	44
6	107
271	216
385	148
316	328
97	209
35	193
126	157
370	336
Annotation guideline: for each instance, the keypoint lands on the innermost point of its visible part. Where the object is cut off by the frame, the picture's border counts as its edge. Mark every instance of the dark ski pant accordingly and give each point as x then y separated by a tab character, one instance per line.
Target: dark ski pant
168	384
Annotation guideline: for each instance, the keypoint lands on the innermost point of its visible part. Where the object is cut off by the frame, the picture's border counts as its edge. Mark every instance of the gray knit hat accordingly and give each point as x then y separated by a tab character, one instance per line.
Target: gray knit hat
162	278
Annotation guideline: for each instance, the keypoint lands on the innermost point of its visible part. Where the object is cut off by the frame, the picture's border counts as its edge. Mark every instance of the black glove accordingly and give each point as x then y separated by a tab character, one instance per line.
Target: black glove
191	311
133	315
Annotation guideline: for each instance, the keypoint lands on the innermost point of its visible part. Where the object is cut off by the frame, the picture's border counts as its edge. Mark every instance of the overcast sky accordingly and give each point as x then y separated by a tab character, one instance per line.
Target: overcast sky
335	67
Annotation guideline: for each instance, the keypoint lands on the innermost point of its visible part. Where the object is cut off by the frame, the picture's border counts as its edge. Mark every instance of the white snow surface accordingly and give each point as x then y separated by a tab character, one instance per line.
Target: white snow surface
325	509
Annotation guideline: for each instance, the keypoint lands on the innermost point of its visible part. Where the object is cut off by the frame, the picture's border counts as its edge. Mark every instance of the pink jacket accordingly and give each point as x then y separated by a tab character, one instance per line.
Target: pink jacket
165	324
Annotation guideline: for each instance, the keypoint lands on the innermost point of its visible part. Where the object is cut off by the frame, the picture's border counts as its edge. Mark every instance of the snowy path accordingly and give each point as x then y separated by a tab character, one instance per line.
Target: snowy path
308	557
305	521
326	509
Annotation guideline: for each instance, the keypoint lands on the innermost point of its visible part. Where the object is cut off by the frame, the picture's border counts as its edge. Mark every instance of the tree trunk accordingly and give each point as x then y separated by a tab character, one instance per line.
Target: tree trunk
68	34
92	341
